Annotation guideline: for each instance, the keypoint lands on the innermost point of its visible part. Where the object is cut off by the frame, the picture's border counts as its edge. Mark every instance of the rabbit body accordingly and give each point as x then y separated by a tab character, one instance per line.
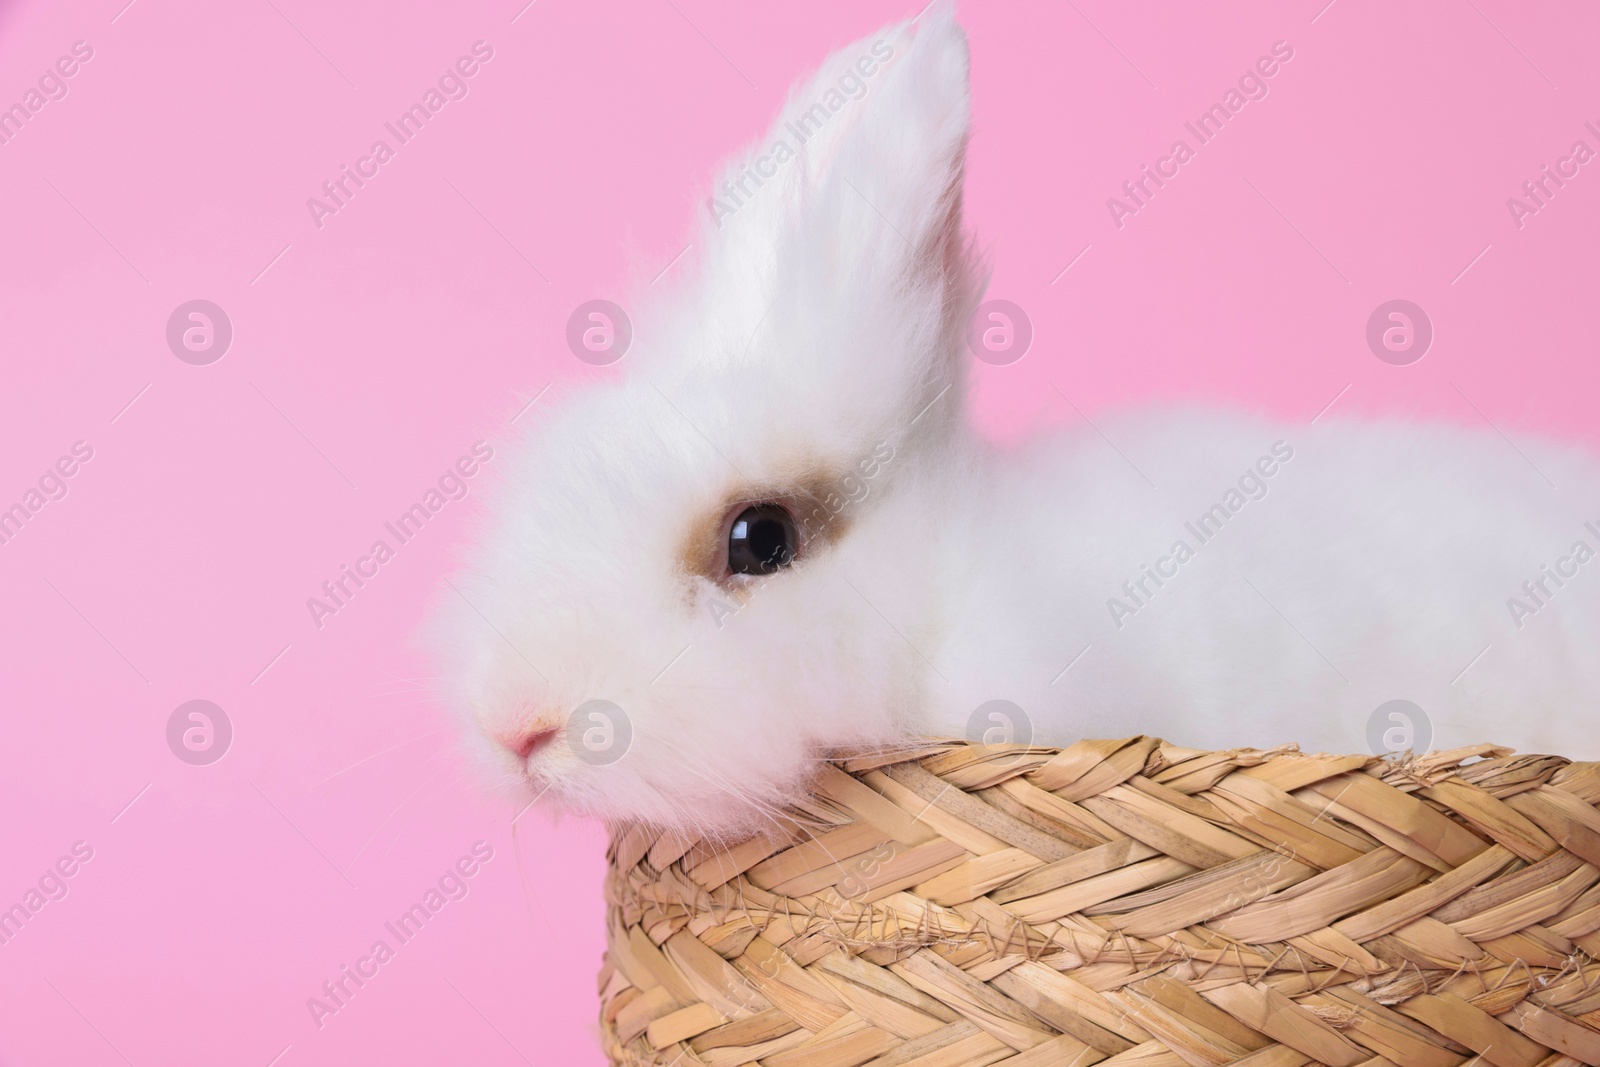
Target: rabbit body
1223	606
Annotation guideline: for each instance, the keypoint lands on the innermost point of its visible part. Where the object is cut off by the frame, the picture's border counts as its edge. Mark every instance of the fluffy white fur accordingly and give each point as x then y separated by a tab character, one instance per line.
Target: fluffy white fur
825	326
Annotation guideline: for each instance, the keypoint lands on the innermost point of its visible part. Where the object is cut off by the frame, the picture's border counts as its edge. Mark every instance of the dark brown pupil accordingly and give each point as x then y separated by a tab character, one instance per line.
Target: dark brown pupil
763	539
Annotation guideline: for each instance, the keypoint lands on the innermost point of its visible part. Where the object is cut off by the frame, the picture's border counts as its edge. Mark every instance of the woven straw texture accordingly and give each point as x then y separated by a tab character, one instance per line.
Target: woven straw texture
1124	903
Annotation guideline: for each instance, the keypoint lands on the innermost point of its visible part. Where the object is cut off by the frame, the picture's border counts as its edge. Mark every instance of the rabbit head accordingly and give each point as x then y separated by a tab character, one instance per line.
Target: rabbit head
668	615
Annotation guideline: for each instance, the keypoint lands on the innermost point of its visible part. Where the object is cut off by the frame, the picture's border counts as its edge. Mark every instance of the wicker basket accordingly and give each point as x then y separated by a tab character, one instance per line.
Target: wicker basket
1125	903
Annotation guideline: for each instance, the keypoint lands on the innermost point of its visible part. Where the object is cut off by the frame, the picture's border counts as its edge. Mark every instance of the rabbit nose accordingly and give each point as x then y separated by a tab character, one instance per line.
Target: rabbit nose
526	742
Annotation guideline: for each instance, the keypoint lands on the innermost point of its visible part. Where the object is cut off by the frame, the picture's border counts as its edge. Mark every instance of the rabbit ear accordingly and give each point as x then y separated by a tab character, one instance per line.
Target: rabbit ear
835	245
888	114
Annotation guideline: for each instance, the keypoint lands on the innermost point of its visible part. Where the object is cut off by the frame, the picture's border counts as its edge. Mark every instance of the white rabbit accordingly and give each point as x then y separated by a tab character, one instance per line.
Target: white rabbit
814	372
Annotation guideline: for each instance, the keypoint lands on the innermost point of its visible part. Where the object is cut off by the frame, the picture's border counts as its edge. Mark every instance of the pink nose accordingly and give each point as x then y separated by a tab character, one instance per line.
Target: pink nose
527	742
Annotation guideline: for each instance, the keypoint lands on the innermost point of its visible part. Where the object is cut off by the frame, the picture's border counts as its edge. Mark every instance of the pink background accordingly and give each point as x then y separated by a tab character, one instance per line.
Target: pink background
424	315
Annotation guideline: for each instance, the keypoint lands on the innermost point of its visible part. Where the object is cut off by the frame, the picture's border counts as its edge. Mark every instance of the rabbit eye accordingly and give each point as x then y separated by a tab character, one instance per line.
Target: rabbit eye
763	539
